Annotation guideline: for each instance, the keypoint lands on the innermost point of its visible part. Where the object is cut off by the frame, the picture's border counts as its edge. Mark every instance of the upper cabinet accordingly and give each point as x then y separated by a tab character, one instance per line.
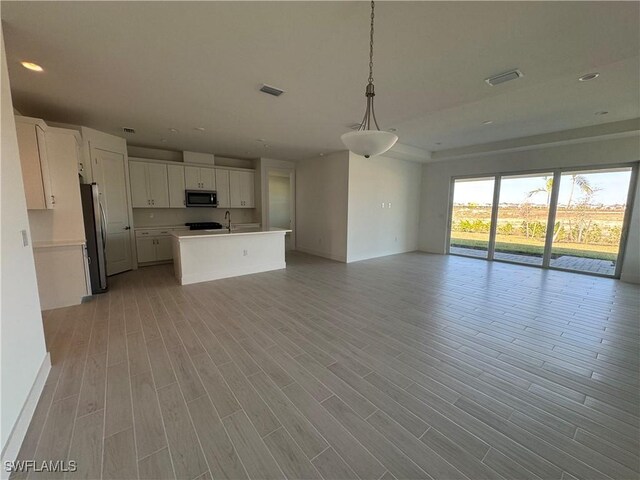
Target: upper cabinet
35	166
149	184
200	178
177	187
158	184
241	189
222	184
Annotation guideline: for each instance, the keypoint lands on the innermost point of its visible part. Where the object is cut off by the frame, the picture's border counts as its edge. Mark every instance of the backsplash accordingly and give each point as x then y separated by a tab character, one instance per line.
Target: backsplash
152	217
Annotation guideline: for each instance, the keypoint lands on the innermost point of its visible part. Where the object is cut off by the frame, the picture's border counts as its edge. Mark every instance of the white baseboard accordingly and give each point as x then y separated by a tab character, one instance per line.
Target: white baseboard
16	437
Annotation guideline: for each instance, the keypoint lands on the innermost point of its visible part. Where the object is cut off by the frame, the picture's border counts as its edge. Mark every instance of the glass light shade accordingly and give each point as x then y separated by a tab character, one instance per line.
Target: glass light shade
369	143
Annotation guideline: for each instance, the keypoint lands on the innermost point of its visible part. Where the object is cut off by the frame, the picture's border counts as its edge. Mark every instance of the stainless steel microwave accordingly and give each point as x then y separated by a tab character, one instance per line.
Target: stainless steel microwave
201	198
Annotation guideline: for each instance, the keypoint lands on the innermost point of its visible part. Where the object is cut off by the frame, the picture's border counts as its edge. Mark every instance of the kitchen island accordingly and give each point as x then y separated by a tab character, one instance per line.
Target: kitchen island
204	255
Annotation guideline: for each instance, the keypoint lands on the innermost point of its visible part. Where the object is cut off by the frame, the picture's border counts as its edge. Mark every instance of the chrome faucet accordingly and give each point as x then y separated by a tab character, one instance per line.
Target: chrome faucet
227	216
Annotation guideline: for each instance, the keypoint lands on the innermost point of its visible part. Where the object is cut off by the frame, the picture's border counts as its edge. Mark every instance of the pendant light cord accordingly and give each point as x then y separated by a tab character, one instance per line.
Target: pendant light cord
371	44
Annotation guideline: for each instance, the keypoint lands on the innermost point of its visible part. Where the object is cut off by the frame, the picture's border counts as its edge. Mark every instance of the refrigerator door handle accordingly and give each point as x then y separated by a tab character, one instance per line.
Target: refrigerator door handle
103	224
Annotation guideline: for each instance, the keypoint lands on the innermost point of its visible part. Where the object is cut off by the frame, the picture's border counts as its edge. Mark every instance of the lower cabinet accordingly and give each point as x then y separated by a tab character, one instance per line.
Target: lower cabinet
154	246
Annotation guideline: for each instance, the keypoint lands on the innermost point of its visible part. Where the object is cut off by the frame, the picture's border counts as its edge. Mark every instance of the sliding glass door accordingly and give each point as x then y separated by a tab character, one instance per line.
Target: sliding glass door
569	220
589	220
471	217
523	212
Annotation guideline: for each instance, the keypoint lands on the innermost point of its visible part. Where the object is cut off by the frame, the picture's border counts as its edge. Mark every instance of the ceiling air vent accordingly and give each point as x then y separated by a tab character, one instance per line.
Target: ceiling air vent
503	77
128	130
276	92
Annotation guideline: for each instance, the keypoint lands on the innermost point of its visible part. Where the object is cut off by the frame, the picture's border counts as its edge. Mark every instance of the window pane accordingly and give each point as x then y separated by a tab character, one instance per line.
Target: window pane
471	220
591	208
523	213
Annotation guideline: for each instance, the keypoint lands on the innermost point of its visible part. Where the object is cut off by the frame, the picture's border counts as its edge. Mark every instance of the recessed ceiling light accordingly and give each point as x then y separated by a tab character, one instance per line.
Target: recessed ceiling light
200	129
173	130
32	66
487	122
602	112
589	76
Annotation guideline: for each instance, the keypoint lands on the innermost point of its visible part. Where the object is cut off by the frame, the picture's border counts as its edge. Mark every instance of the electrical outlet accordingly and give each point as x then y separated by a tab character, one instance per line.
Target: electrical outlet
245	253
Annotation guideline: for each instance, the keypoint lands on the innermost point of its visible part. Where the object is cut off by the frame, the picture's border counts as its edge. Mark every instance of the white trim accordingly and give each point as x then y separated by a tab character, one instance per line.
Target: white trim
19	431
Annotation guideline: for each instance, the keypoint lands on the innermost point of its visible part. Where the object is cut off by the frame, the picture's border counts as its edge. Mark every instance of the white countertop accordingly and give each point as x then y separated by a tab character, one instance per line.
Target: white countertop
222	233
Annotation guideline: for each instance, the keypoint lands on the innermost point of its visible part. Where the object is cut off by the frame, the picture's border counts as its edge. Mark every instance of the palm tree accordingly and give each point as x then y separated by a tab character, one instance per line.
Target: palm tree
548	186
576	180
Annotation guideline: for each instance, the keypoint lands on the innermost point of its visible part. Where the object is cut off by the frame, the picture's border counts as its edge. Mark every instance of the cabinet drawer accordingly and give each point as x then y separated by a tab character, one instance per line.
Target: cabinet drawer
154	233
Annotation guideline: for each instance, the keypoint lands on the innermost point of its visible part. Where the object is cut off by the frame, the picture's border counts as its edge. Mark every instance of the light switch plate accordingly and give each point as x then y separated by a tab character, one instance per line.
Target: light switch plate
25	238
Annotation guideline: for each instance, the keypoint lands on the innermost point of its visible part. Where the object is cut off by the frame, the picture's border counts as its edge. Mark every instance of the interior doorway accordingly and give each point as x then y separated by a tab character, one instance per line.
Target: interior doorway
281	202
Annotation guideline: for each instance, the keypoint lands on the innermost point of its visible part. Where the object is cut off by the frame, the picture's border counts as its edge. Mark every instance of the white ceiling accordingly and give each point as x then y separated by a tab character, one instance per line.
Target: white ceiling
159	65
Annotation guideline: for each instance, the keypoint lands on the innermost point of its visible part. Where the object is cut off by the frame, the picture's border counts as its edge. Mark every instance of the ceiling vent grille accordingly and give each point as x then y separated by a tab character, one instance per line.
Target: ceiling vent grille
503	77
276	92
128	130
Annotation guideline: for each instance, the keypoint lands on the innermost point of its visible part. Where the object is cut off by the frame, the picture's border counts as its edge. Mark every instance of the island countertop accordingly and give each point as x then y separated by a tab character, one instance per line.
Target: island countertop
187	234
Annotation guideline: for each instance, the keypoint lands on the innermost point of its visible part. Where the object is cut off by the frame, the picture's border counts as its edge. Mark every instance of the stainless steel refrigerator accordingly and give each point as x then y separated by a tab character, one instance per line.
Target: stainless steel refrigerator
95	232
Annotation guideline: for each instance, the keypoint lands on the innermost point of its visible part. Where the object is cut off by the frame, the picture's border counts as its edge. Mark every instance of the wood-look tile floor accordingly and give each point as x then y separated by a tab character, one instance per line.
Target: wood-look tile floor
409	366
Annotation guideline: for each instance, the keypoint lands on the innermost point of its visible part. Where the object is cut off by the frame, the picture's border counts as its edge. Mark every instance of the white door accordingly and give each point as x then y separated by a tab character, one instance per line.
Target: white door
222	188
158	185
139	187
109	174
192	178
208	178
175	175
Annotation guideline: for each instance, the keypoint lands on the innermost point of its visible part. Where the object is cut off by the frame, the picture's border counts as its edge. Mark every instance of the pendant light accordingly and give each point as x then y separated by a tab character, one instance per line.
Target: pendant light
367	141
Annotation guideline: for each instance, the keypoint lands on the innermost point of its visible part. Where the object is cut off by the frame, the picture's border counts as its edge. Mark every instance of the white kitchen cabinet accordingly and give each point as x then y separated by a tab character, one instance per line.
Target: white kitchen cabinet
175	174
222	188
35	166
154	245
198	178
146	248
241	189
192	178
149	184
138	181
164	249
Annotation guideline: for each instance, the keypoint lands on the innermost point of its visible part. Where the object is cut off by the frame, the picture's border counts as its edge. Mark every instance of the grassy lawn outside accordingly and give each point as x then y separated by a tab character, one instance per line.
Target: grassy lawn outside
532	246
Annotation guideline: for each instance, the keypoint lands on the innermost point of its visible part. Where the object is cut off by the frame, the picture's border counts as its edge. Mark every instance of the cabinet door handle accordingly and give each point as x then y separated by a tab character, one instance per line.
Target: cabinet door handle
127	227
